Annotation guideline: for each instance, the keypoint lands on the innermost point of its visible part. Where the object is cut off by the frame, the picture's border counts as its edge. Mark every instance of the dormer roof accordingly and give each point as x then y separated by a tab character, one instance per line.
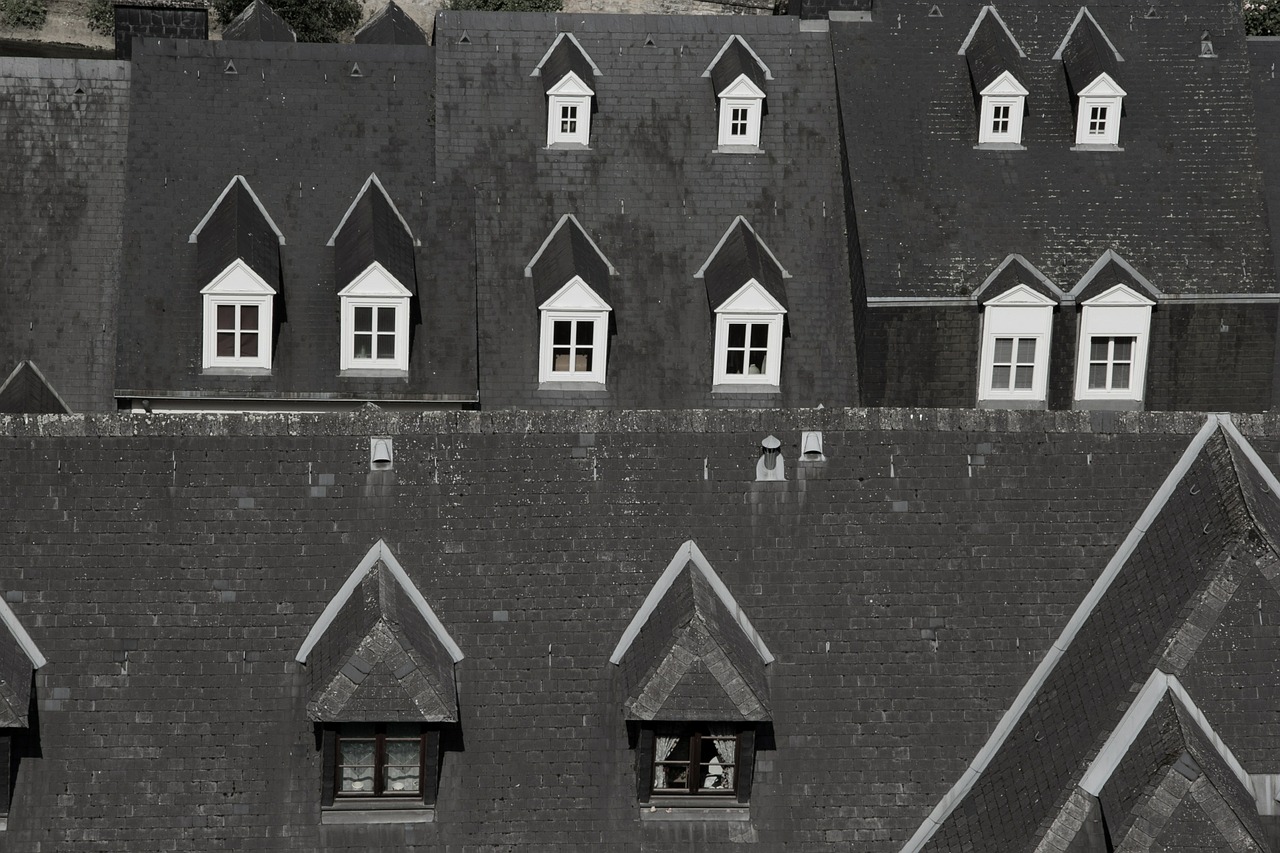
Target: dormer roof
378	652
736	59
568	252
373	231
391	25
690	653
1016	271
1087	53
991	51
237	227
258	22
1109	271
26	391
741	256
19	658
566	56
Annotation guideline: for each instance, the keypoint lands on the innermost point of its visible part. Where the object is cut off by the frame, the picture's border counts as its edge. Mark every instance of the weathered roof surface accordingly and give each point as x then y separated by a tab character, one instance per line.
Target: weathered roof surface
374	233
237	229
1265	56
735	61
569	253
565	57
991	53
27	391
390	25
306	125
653	195
935	215
741	258
259	22
1086	55
61	187
906	587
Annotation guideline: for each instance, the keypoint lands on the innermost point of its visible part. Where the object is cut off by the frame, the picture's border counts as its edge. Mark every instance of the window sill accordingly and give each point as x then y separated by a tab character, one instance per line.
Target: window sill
694	809
570	385
373	373
1037	404
568	146
237	371
347	813
1090	147
1107	404
999	146
737	149
745	388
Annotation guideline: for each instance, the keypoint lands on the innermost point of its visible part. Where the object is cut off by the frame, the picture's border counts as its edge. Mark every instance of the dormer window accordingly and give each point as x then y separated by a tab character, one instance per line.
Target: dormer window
376	276
1098	113
1115	326
1091	62
570	278
568	77
994	59
738	80
238	264
745	289
1003	104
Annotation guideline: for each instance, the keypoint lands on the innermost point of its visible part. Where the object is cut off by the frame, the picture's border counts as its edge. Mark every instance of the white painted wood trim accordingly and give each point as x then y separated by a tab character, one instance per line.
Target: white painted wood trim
20	634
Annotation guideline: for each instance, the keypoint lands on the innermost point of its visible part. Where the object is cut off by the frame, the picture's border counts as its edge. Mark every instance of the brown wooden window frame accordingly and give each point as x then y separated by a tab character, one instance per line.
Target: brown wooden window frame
647	761
332	795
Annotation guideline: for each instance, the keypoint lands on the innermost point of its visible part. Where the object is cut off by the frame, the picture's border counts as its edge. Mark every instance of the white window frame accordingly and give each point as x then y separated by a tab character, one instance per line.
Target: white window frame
238	285
1018	313
1119	312
1102	93
741	94
374	288
754	305
570	91
1004	91
575	303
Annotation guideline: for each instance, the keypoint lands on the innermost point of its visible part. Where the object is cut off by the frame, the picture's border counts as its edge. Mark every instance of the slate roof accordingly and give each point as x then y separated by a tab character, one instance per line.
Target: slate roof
1264	54
565	57
259	22
373	232
991	52
653	195
569	252
390	25
739	259
306	125
237	229
935	215
1086	55
61	179
735	61
25	390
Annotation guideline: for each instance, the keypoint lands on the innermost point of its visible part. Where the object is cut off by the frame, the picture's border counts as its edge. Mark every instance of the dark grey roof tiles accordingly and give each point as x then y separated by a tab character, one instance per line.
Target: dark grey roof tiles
1264	54
237	229
566	57
735	61
259	22
739	259
1086	54
373	232
991	52
26	391
569	253
390	25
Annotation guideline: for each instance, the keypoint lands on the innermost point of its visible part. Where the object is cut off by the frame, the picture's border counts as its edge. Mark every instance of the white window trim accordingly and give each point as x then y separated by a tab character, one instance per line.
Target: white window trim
1005	90
1117	312
238	285
741	94
374	288
751	304
1102	92
570	91
575	302
1019	312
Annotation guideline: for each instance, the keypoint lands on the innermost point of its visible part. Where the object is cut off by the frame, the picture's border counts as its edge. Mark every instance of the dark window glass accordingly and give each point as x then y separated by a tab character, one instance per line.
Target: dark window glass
383	760
364	319
226	317
701	761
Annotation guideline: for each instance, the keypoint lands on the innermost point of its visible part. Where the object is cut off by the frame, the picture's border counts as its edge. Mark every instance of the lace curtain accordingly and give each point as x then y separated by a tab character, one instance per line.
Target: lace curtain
725	739
662	748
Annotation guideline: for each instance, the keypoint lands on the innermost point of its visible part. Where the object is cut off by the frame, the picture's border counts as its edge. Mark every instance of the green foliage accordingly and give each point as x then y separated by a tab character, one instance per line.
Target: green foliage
1262	17
507	5
26	14
102	17
312	20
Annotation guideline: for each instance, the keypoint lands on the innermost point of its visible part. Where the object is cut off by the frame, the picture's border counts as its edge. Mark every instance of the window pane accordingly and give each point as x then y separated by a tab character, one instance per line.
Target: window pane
737	334
402	757
735	363
364	319
1026	350
1124	349
1022	377
586	333
249	317
1097	376
560	332
582	363
249	345
560	360
1120	376
386	346
357	765
1098	349
755	366
364	346
759	335
1000	376
226	344
226	317
1004	350
386	319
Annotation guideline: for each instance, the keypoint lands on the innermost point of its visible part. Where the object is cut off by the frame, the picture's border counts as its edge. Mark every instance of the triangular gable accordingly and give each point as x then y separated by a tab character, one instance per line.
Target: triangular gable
237	226
259	22
378	652
751	299
1086	53
983	14
27	392
569	252
691	641
238	279
376	281
373	231
577	295
735	60
737	258
570	84
741	87
559	58
1110	269
19	657
1102	86
391	25
1021	296
1013	271
371	182
991	52
1091	23
1005	85
732	44
1119	295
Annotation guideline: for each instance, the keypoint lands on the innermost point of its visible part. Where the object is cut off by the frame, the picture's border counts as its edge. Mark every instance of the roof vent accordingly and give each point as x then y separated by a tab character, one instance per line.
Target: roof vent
770	466
649	42
79	90
935	12
231	68
1206	47
811	447
1152	14
380	454
355	70
465	39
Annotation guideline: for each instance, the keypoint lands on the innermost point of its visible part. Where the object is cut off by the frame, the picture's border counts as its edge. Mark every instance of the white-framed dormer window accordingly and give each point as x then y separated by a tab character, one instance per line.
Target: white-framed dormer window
1016	328
375	322
1098	111
741	106
1111	360
748	349
1004	103
238	320
569	112
574	335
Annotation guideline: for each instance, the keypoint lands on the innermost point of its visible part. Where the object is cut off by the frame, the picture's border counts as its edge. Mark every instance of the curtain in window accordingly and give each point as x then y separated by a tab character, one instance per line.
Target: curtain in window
663	746
725	739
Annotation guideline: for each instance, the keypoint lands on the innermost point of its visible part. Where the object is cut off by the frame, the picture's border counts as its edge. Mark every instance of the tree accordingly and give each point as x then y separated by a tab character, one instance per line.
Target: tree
1262	17
312	20
507	5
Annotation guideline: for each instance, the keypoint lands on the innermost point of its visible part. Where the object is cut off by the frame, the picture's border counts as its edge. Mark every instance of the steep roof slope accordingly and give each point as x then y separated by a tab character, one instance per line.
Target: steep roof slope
1183	200
1265	56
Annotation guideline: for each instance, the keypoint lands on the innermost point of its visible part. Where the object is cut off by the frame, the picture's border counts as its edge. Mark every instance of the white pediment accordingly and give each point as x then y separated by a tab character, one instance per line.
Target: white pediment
576	295
238	279
1022	296
571	84
1006	85
1102	87
1120	296
751	298
375	281
742	87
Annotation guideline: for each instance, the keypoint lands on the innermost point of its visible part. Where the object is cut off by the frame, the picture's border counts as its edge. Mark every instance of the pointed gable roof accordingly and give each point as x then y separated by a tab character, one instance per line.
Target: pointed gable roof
26	391
258	22
237	227
378	652
740	257
19	657
566	56
1087	53
567	252
1108	271
372	230
391	25
1016	270
690	653
991	50
735	59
